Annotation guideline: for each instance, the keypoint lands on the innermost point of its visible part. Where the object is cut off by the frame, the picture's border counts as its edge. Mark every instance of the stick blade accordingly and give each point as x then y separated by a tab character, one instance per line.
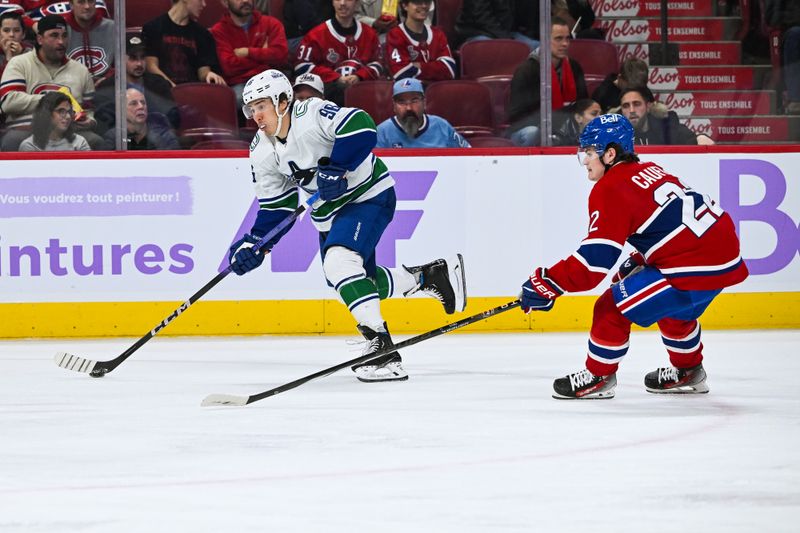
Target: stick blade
74	362
224	400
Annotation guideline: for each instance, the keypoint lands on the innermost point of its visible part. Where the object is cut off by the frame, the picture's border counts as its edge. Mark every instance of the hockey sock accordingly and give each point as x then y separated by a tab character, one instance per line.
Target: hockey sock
682	341
361	298
391	281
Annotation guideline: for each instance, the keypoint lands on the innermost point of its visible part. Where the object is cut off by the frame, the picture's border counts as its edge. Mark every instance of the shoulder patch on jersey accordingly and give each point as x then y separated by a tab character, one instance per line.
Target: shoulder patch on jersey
254	142
300	108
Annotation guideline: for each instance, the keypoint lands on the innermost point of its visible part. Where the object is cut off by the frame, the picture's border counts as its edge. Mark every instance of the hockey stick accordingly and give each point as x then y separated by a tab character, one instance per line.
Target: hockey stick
98	369
230	399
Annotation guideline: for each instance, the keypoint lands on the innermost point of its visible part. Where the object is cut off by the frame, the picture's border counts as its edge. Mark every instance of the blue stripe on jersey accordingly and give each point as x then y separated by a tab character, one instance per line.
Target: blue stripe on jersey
302	68
704	271
667	221
450	64
600	255
351	151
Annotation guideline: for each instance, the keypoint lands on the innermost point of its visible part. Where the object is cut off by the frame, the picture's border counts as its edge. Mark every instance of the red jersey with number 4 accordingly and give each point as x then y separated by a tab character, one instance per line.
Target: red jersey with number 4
431	53
683	233
330	55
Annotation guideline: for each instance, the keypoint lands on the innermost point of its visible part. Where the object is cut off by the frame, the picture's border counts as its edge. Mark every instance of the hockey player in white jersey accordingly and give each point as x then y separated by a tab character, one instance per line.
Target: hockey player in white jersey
315	145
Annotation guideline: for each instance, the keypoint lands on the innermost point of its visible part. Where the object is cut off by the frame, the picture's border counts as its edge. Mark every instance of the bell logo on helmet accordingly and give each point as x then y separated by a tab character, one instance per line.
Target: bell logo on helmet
605	119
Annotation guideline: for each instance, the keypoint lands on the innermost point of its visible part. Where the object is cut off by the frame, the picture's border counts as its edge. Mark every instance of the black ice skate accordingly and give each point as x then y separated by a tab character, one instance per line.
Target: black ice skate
444	280
671	380
388	367
584	385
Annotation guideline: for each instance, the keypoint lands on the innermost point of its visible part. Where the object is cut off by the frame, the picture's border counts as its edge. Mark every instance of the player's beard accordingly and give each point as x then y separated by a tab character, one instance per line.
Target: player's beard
411	124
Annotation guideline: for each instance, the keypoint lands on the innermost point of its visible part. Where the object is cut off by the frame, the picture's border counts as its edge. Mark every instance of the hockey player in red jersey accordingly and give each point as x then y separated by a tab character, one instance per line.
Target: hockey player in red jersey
416	49
686	252
342	51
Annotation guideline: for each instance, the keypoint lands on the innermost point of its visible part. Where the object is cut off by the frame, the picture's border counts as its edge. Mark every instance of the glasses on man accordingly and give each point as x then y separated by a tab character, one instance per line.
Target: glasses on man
63	113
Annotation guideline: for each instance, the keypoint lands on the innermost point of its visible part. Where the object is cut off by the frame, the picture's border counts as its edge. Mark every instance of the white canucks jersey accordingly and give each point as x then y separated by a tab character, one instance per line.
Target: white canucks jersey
285	173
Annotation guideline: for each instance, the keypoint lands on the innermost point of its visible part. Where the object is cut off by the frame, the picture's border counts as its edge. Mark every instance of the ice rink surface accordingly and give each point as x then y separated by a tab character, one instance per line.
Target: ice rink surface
473	442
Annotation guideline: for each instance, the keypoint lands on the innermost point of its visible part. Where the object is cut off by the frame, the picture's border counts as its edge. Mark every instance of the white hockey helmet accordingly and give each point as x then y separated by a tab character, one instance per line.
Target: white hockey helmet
269	84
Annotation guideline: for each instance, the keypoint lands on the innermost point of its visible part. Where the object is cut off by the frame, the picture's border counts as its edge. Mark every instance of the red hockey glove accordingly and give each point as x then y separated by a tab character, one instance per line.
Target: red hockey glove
539	292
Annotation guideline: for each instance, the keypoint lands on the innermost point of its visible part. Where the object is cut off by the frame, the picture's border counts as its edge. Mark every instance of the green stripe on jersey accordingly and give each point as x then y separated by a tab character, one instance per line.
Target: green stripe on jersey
379	170
358	121
290	201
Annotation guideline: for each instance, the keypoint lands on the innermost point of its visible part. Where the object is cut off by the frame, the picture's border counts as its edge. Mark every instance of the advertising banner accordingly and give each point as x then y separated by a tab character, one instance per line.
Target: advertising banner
156	230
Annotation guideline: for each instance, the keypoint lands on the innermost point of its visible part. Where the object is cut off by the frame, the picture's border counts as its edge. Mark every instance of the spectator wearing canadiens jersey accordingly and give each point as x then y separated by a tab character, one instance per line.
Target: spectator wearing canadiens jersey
28	76
411	127
342	51
415	49
686	252
248	42
91	39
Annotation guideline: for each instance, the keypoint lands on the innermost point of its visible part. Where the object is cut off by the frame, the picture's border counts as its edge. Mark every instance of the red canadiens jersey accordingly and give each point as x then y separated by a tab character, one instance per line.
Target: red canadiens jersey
433	55
326	53
683	233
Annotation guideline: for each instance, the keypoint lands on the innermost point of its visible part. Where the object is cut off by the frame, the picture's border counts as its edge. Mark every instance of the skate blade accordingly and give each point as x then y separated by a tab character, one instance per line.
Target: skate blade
455	267
700	388
599	396
382	380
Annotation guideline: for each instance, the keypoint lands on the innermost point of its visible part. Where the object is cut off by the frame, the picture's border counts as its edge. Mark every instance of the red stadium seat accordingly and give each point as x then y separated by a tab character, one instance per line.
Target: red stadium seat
222	144
466	104
597	58
373	96
212	13
206	110
500	91
498	57
445	14
276	9
141	11
489	141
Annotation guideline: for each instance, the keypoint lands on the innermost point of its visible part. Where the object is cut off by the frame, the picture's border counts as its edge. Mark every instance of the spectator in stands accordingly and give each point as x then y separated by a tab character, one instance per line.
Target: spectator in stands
91	39
785	15
12	37
301	16
633	73
411	127
568	86
248	43
580	17
156	89
415	49
308	86
652	122
498	19
178	48
28	76
53	126
583	112
146	131
379	14
342	51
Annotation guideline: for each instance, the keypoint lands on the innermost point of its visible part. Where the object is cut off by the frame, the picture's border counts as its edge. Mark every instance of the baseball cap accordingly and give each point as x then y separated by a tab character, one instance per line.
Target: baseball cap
133	43
312	80
408	85
51	22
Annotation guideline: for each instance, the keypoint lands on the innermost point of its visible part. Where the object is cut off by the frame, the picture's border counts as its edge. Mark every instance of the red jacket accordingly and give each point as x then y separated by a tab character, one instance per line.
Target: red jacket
263	30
